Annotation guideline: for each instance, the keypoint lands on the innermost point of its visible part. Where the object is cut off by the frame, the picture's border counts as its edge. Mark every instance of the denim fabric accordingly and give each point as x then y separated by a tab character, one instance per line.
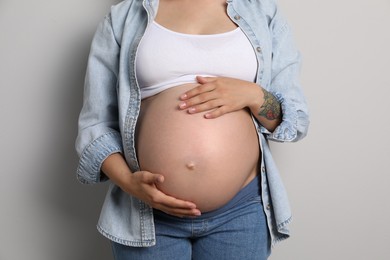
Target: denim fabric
238	233
250	190
112	104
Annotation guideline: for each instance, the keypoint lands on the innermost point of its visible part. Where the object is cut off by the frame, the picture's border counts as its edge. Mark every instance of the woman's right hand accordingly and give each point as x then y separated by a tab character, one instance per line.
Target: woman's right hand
142	185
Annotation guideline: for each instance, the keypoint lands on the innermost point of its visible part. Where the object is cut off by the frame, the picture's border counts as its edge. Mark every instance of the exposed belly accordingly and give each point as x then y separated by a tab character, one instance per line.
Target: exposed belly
206	161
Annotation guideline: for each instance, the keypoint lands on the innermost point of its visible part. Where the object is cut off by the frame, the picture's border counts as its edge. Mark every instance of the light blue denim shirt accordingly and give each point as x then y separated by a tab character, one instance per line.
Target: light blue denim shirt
112	103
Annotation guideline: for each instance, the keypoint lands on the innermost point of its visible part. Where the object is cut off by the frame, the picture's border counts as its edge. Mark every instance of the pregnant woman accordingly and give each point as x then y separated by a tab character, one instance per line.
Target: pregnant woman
181	98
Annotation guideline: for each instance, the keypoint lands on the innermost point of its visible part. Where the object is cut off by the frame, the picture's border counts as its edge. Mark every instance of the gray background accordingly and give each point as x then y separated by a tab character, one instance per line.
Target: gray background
337	178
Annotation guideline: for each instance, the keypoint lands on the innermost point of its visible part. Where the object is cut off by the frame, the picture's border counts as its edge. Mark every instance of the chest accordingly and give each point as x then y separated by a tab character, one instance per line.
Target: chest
195	17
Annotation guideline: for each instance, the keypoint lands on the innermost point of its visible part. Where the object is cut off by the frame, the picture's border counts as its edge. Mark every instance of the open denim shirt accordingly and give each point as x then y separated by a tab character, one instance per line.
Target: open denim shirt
112	103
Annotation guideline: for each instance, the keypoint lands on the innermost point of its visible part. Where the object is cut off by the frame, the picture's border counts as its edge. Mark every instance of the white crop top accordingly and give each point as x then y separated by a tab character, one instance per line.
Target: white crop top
166	58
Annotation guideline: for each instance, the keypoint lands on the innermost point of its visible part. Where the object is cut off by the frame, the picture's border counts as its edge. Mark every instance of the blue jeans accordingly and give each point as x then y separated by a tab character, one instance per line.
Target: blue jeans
238	233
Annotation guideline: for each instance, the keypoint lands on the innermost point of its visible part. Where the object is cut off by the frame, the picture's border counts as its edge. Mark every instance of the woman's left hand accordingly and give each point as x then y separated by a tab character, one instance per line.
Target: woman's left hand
220	95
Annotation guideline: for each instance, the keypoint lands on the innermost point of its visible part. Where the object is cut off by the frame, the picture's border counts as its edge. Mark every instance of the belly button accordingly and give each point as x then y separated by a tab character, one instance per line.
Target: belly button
190	165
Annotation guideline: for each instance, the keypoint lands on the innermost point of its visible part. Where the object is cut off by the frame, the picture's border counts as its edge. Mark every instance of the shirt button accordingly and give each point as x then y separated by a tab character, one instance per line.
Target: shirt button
263	169
258	49
237	17
268	207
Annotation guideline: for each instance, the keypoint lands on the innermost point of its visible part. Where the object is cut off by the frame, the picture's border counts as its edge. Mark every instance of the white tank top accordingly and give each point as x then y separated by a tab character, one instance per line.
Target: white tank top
166	58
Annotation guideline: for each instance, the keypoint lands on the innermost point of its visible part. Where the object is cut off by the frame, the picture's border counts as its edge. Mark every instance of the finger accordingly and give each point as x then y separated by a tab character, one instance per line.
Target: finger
199	99
217	112
181	212
204	80
171	202
207	106
197	91
177	211
150	178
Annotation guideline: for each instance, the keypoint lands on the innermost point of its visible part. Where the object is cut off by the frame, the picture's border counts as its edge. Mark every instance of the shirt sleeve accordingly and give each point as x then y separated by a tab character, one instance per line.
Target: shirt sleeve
98	126
285	85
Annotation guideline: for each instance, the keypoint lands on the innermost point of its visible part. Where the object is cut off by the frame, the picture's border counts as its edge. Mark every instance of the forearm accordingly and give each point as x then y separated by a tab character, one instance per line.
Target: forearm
116	169
267	110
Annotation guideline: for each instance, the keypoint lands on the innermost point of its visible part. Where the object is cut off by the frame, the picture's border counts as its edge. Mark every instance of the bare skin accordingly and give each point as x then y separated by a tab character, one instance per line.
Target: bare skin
225	95
195	17
220	95
142	185
203	161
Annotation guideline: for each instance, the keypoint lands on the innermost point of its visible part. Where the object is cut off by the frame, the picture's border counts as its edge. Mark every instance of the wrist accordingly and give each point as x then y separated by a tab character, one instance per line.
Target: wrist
126	182
117	170
257	99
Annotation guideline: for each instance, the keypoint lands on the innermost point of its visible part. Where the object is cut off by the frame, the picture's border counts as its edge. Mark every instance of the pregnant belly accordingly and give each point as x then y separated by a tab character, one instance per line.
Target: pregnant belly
206	161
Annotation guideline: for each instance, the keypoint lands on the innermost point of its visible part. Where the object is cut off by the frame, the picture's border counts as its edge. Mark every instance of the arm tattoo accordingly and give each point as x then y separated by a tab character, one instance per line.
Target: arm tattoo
271	108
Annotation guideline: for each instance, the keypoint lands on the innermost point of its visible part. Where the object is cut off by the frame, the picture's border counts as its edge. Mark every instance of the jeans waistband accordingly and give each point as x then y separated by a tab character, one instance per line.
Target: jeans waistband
251	190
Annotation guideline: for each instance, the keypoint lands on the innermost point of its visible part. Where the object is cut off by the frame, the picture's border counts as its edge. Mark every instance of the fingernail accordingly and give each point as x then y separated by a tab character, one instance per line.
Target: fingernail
207	115
184	96
191	110
182	105
198	213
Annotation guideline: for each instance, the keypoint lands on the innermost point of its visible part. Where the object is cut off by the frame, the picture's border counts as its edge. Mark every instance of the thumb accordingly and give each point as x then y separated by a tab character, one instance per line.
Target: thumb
158	178
151	178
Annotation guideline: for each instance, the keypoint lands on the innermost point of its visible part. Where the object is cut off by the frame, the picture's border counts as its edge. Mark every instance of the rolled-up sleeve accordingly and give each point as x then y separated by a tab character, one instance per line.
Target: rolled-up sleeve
98	127
285	84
